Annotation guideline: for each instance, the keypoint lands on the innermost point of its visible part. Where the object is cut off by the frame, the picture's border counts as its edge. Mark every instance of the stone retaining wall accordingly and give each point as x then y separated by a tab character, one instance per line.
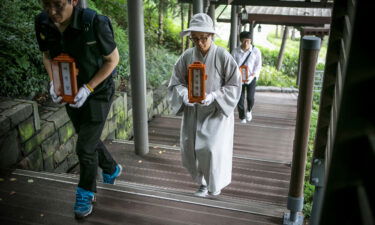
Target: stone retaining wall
43	138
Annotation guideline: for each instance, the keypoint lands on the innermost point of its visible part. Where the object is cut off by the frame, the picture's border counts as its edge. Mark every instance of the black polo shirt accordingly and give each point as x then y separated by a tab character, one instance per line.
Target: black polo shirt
73	41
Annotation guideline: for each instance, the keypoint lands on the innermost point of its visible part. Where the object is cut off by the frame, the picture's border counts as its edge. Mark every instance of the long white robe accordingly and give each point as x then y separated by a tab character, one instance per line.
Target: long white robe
207	131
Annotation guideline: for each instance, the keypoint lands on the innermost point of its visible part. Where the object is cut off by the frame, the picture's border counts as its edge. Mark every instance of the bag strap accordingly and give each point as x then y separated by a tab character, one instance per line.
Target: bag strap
246	58
87	24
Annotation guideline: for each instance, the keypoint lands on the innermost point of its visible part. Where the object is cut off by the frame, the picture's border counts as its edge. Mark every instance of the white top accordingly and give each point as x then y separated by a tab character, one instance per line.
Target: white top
254	61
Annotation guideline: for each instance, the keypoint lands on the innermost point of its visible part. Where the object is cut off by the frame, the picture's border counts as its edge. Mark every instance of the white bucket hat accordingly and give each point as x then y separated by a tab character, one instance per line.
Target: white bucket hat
200	22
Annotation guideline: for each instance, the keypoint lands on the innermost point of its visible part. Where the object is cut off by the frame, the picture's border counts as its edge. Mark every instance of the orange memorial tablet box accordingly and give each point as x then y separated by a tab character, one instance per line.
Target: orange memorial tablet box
64	74
244	73
197	82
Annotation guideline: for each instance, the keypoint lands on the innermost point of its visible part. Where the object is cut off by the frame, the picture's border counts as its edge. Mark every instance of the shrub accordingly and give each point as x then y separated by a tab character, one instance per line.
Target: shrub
159	65
121	38
269	57
269	76
221	43
21	69
159	61
117	9
172	39
309	188
290	64
290	61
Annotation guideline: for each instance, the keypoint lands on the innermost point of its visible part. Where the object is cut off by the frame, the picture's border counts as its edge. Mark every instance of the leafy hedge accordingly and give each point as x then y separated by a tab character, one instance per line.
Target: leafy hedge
21	69
290	61
160	65
159	60
309	188
121	40
269	76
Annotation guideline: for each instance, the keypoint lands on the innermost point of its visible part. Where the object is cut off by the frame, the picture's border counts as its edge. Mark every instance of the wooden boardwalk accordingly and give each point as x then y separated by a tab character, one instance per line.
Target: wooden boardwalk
156	189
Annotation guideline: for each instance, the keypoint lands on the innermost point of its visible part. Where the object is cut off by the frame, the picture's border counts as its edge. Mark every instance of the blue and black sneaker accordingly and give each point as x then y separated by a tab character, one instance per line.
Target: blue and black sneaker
111	178
83	206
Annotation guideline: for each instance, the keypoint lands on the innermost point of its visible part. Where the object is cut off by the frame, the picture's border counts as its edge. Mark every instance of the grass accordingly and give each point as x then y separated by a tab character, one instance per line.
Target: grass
292	46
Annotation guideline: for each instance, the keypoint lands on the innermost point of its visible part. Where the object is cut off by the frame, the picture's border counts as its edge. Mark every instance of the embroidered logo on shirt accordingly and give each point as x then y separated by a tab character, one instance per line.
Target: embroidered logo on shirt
42	36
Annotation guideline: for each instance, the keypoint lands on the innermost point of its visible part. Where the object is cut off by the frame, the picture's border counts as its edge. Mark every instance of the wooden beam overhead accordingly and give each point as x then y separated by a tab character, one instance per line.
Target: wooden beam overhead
216	2
279	3
290	16
285	3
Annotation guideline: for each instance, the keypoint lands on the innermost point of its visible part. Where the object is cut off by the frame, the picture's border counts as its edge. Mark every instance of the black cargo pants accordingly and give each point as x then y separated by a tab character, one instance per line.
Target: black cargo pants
88	122
249	91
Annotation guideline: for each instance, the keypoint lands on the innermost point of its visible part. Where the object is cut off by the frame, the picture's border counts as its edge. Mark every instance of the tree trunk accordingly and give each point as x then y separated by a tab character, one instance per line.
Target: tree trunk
293	35
282	48
189	18
161	21
277	31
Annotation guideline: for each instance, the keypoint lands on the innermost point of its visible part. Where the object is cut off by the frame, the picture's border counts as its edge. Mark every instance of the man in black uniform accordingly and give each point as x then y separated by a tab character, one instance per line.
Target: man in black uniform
88	38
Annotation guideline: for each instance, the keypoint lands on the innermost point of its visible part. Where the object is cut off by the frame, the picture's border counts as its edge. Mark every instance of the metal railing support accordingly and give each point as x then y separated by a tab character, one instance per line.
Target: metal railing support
211	13
310	50
82	4
197	6
233	28
138	76
317	178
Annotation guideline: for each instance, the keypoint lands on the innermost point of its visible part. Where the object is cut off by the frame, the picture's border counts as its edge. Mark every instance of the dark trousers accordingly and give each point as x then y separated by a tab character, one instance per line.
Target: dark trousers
90	149
249	91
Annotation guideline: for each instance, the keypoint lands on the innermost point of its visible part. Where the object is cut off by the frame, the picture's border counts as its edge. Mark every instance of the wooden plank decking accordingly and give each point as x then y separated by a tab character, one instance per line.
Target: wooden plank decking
156	189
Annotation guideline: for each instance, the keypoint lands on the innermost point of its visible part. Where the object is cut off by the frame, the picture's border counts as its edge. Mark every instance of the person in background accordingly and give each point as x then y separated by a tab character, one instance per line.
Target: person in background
250	56
63	27
208	126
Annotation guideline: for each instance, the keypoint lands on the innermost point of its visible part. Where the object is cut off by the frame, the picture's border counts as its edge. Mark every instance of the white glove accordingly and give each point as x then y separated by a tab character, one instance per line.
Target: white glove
250	79
210	98
185	99
81	97
55	98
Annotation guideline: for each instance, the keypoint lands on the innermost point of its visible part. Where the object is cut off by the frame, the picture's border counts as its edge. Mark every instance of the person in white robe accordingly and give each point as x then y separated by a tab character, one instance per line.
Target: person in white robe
208	126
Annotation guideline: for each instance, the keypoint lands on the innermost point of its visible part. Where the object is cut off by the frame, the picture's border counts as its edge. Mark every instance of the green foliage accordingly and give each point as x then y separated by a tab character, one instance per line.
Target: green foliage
159	65
171	33
291	45
21	69
159	61
309	188
290	64
290	60
269	76
221	43
269	57
121	38
320	66
308	199
116	9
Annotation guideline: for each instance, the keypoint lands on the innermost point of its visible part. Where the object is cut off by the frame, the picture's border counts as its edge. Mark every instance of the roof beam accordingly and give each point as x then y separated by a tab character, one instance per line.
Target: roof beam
285	3
286	20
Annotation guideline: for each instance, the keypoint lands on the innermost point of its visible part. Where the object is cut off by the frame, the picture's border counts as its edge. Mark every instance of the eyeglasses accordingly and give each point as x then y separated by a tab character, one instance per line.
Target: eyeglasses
57	6
203	39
